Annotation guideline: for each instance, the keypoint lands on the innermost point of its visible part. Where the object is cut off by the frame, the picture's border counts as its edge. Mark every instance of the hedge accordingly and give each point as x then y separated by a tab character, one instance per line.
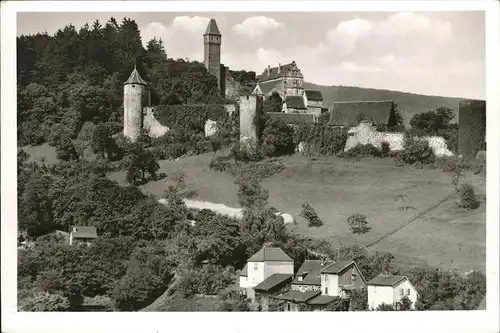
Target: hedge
188	117
321	139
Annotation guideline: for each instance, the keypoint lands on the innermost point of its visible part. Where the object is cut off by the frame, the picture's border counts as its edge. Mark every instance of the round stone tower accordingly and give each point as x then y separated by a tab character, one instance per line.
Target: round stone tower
135	97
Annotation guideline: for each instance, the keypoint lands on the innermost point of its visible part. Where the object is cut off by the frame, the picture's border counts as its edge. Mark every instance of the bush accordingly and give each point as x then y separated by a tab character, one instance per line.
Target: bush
467	198
222	164
44	302
277	138
310	215
358	224
415	151
361	150
321	139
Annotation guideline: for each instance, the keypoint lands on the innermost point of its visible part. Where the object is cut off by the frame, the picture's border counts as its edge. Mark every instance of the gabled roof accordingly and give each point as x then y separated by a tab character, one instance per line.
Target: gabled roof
212	28
273	72
293	118
296	102
298	296
268	87
135	78
314	95
386	280
349	113
310	270
273	281
244	271
84	232
337	267
270	254
321	300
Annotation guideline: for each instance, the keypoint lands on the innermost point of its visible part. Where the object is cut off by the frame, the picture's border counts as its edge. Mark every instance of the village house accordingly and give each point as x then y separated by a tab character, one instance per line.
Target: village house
261	266
82	235
274	284
389	289
340	278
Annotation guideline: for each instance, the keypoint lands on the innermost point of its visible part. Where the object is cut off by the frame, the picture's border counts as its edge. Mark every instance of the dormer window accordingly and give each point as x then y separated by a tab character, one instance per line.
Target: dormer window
301	278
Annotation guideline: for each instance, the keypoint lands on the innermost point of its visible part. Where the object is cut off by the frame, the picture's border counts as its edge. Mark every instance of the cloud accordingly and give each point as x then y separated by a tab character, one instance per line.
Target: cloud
257	26
347	33
196	24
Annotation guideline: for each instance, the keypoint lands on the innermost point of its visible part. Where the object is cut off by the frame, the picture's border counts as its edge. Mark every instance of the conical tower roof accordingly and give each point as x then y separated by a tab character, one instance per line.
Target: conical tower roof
212	28
135	78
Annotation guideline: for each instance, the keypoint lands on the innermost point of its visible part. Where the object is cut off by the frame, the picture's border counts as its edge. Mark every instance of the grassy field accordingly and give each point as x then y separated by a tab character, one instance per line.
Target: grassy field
337	188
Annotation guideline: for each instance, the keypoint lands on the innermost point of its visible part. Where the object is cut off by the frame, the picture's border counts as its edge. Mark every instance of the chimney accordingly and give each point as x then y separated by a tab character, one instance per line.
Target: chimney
279	68
323	261
268	70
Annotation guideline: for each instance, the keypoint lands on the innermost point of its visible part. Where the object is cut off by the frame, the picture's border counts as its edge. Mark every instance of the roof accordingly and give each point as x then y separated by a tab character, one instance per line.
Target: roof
386	280
298	296
314	95
293	118
337	267
313	276
349	113
84	232
296	102
321	300
244	271
267	87
273	72
270	254
212	28
135	78
273	281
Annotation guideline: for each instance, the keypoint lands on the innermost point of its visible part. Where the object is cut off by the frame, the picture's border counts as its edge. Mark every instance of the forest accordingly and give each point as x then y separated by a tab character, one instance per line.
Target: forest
70	96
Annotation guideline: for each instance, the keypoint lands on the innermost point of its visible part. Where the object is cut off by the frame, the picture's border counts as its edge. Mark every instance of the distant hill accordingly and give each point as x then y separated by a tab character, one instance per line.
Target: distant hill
409	104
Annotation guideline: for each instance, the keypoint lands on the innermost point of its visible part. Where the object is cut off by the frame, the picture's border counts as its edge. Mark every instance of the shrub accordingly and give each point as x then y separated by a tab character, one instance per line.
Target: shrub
310	215
221	163
277	138
322	139
361	150
324	118
415	151
358	224
467	198
44	302
385	149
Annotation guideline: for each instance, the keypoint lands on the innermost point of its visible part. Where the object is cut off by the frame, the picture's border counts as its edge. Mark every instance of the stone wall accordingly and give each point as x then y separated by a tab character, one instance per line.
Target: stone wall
366	133
151	125
471	127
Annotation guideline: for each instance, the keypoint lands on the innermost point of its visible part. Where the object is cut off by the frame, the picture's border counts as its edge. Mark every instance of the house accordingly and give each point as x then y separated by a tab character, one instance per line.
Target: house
313	99
266	262
294	300
82	235
308	277
348	114
286	79
274	284
339	278
390	289
294	104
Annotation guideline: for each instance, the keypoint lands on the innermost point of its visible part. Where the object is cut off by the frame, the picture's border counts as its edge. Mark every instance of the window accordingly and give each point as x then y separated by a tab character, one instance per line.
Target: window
326	290
401	291
255	266
408	291
353	276
326	277
288	307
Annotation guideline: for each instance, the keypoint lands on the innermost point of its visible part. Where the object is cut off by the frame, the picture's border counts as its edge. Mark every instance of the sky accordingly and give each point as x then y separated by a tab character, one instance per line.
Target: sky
432	53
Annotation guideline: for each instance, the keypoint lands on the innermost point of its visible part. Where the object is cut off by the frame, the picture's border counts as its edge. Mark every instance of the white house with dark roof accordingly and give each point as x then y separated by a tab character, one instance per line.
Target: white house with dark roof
262	265
82	235
390	289
339	278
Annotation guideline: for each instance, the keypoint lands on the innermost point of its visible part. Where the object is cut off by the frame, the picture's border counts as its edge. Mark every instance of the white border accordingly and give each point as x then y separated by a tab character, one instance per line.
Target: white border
458	321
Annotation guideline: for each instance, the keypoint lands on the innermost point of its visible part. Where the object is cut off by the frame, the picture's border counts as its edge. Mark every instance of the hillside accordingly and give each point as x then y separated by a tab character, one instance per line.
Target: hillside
410	104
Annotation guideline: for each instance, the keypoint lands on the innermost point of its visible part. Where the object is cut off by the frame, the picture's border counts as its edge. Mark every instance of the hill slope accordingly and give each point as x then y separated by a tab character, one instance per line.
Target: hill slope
409	104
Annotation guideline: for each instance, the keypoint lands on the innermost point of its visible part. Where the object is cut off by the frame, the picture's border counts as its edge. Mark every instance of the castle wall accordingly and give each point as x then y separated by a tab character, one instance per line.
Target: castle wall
250	112
151	125
471	127
133	100
366	133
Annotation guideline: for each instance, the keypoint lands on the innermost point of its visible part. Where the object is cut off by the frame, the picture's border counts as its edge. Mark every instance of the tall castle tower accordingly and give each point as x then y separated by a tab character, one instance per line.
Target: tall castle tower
136	95
212	40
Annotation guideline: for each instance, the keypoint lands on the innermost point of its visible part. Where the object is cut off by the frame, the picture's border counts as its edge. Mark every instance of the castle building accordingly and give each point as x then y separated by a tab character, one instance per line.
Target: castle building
287	80
136	96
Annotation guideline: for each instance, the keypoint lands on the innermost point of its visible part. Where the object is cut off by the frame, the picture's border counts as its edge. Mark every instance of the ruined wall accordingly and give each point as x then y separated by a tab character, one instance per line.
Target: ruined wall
366	133
250	113
471	127
151	125
133	101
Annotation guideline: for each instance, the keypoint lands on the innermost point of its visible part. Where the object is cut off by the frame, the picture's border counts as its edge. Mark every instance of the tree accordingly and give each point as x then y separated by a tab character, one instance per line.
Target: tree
310	215
430	122
338	304
65	150
404	304
101	140
141	161
277	138
358	224
358	300
385	307
273	104
251	194
44	302
179	190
